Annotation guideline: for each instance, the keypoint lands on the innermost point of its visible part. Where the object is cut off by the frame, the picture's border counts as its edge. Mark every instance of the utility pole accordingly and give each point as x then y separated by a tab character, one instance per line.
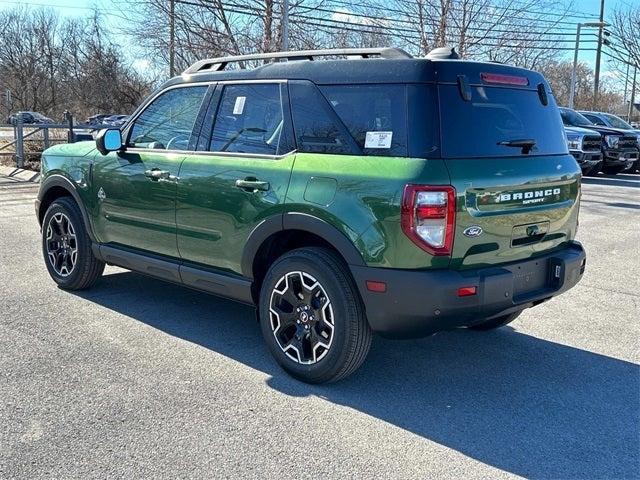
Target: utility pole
633	93
626	81
596	83
572	91
285	25
172	39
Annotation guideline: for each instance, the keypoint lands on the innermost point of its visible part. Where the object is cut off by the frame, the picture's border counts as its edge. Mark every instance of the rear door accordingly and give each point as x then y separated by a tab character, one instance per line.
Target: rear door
517	186
239	175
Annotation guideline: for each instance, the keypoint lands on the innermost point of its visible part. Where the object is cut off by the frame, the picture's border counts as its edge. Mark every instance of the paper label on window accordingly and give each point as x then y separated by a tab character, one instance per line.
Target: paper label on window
378	140
238	108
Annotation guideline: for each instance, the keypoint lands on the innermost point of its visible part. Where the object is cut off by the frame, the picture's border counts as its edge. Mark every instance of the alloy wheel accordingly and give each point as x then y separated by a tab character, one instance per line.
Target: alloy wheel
62	244
301	317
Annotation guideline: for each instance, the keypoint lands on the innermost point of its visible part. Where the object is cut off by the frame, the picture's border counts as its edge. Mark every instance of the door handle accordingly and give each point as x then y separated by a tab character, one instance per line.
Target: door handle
156	174
252	185
161	176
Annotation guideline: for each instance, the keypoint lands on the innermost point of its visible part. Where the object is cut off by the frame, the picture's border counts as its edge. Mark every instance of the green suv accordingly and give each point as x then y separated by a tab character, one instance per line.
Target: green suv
341	192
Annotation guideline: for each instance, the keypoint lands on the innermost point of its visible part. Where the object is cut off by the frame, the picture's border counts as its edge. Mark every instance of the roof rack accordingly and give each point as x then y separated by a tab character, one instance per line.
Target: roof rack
218	64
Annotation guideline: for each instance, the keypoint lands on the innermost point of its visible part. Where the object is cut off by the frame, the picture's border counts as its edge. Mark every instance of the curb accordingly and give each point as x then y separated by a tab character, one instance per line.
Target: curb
20	174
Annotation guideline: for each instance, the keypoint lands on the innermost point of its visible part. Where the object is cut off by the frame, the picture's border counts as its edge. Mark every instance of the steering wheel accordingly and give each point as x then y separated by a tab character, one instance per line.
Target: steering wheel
177	138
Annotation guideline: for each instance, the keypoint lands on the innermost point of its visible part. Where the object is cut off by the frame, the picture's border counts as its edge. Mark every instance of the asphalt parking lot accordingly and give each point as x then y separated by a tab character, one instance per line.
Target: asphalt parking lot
141	378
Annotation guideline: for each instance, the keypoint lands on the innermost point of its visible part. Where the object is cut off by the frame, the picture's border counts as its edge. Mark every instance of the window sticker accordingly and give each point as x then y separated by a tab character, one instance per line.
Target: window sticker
238	108
378	140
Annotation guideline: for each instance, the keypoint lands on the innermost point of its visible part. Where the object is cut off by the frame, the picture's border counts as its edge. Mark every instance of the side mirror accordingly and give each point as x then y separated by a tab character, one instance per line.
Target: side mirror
109	140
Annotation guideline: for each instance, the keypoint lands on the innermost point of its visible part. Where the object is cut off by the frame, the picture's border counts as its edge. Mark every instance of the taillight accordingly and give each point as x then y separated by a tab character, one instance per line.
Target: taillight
428	217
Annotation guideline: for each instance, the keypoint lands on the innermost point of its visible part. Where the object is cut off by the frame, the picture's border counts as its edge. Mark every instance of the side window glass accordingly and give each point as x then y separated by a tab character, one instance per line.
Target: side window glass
376	116
594	119
314	123
249	120
167	123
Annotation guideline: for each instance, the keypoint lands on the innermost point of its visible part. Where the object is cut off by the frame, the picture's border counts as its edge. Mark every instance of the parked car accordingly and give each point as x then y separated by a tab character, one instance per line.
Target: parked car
29	117
619	147
97	119
116	120
586	147
334	195
609	120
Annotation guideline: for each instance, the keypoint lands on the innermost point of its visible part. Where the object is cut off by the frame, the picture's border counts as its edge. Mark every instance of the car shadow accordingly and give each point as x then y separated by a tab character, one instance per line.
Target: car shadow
619	180
525	405
632	206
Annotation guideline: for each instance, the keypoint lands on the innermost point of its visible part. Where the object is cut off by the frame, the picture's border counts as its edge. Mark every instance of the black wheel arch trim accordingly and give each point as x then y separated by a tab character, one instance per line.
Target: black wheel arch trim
298	221
63	182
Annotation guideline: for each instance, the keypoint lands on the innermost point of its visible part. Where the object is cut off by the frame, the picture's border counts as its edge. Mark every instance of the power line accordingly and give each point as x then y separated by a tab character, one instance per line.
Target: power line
409	31
404	33
382	21
521	12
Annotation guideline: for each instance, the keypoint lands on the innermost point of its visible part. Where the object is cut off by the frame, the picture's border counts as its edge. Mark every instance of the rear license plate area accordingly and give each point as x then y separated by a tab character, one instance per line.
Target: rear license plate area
530	276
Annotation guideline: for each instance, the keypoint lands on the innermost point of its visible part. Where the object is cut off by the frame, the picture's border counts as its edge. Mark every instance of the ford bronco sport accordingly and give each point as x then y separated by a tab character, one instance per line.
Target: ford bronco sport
367	192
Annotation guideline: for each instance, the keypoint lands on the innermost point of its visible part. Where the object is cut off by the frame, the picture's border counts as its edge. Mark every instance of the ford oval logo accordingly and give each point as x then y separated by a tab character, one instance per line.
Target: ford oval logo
473	231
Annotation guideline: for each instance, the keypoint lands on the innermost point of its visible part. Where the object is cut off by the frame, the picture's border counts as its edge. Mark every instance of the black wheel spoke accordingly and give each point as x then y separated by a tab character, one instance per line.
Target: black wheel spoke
316	337
290	297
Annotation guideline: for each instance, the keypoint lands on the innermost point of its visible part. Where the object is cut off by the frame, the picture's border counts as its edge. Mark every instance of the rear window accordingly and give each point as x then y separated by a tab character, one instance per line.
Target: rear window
476	127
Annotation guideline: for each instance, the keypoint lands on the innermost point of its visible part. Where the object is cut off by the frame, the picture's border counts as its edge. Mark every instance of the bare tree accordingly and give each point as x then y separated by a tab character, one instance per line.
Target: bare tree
558	74
626	27
50	65
508	31
205	28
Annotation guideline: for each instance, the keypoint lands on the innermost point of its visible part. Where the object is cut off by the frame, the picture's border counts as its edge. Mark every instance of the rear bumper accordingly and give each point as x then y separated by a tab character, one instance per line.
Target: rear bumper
418	303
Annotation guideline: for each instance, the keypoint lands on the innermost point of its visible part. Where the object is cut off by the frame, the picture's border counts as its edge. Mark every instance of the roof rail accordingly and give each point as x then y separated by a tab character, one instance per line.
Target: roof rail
218	64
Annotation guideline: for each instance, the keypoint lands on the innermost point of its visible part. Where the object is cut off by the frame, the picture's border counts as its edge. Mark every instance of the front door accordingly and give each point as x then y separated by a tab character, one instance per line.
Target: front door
239	177
136	188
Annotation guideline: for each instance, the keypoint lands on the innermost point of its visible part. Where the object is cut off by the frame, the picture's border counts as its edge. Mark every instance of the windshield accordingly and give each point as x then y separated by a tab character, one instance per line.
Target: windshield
574	119
617	122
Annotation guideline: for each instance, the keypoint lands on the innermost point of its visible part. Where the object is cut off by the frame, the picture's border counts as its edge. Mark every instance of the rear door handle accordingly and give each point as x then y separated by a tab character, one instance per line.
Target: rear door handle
156	174
162	176
252	185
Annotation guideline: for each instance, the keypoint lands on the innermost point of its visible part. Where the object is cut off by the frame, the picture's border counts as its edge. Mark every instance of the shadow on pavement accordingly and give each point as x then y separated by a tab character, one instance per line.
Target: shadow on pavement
522	404
632	206
613	180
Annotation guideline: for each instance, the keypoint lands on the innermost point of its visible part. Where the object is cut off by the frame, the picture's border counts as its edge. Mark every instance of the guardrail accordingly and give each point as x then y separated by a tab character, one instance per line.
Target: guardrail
22	131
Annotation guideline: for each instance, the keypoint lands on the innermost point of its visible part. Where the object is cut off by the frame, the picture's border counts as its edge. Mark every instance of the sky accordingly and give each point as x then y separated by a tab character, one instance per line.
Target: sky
83	8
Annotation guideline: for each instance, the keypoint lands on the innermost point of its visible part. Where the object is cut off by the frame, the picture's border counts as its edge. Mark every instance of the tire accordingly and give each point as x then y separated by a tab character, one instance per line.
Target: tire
312	317
496	322
593	171
66	247
613	170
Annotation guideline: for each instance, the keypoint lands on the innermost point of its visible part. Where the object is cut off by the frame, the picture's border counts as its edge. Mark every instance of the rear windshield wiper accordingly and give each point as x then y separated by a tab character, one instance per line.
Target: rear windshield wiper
526	144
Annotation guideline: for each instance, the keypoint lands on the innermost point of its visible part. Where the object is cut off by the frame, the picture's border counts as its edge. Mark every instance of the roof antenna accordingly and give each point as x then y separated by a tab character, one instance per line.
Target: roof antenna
443	53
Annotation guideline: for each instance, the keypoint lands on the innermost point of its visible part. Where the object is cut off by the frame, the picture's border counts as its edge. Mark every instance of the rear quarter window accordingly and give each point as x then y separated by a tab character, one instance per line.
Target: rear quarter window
375	115
474	128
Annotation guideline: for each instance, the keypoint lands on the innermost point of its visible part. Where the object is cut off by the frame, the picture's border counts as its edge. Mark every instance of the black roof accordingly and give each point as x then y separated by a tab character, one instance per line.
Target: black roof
366	70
